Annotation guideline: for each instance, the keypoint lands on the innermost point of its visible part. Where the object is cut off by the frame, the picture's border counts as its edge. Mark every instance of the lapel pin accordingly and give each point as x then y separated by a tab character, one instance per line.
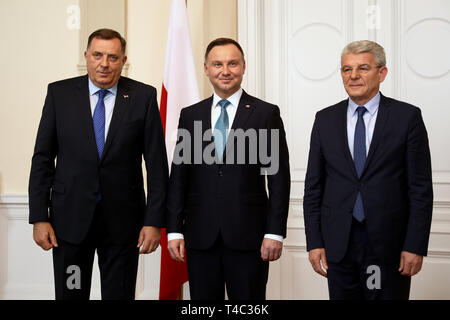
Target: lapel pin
125	96
247	106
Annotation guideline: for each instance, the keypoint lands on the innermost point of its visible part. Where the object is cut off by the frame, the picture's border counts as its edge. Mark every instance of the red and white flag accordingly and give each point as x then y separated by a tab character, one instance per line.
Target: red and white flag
179	90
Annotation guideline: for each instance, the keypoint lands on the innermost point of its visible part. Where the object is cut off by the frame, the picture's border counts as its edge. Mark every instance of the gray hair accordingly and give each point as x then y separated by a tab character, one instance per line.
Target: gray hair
366	46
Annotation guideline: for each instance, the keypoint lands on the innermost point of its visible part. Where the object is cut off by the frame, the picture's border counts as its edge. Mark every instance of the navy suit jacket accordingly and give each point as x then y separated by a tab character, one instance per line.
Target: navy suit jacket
229	199
395	186
65	193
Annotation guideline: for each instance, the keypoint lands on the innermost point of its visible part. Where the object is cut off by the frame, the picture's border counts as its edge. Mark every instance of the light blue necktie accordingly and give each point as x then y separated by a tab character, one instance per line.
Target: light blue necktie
359	157
99	125
99	121
220	129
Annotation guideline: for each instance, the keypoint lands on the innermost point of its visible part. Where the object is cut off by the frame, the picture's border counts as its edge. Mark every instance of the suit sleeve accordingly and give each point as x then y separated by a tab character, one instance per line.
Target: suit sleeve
43	163
155	157
420	187
177	184
314	186
279	181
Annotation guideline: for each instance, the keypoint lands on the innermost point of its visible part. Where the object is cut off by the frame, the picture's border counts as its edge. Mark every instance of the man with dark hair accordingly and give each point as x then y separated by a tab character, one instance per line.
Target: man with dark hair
368	190
107	34
223	42
219	210
98	127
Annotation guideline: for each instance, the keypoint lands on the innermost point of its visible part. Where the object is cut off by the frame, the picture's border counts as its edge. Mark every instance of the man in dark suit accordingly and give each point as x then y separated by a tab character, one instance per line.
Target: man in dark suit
368	190
217	203
98	127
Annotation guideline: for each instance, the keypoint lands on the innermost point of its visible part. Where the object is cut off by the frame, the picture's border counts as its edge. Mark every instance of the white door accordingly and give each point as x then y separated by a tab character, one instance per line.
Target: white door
293	53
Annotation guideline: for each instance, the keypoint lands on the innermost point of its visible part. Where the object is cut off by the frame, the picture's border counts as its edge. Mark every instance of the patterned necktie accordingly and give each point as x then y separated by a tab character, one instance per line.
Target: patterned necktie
359	157
220	129
99	121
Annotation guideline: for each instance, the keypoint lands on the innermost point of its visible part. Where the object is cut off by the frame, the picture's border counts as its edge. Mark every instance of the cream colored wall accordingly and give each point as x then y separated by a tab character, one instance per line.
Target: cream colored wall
147	32
39	48
219	19
147	24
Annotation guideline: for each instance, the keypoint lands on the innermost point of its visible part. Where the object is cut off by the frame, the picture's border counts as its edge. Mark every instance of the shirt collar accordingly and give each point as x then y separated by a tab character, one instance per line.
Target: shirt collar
234	98
93	89
371	106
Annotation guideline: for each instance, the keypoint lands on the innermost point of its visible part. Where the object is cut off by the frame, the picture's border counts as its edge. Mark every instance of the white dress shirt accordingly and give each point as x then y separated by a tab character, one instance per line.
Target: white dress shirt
215	114
231	108
109	101
370	117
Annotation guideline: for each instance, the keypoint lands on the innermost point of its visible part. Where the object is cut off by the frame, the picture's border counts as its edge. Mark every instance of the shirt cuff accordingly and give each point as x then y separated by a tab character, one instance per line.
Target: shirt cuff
274	237
174	236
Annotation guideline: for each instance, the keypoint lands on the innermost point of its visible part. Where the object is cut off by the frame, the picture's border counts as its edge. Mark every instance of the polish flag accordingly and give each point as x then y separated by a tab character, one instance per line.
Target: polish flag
179	90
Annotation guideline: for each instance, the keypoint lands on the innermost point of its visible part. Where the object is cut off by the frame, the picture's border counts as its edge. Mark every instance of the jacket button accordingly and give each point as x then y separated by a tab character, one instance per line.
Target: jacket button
220	173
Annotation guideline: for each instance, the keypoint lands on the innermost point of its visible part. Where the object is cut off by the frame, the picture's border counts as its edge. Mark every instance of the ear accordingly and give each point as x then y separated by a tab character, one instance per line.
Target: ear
383	73
124	60
205	68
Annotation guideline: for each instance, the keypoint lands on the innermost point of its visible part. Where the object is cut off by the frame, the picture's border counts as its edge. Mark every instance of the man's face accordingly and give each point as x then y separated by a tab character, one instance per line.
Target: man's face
104	61
225	68
361	76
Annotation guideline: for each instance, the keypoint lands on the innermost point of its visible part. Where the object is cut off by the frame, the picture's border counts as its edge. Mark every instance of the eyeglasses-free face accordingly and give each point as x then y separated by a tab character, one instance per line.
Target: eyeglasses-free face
104	62
225	68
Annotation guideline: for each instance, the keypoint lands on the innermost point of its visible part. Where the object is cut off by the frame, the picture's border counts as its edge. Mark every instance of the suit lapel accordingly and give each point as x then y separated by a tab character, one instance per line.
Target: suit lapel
243	112
86	123
383	114
120	106
204	117
344	136
205	114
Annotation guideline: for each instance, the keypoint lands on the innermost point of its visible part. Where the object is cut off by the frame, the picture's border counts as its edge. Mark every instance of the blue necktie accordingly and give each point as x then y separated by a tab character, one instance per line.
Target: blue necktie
359	157
99	121
220	129
99	126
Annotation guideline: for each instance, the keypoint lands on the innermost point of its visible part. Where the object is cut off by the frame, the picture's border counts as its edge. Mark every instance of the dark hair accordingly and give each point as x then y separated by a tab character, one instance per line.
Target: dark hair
222	42
107	34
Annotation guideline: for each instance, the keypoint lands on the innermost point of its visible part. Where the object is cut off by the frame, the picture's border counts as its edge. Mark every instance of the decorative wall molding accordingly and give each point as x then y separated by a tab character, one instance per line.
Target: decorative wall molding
292	30
21	280
15	207
251	37
14	216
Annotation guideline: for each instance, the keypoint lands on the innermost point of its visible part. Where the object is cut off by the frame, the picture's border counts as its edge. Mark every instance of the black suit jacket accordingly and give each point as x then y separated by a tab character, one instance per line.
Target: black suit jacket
395	186
207	199
65	194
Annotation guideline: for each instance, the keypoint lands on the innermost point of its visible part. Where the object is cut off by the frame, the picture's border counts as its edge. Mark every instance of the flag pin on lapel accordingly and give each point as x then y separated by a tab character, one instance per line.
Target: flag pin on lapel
125	96
247	106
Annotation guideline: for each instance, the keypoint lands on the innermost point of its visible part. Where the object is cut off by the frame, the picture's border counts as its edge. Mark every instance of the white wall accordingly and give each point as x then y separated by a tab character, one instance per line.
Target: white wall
294	59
